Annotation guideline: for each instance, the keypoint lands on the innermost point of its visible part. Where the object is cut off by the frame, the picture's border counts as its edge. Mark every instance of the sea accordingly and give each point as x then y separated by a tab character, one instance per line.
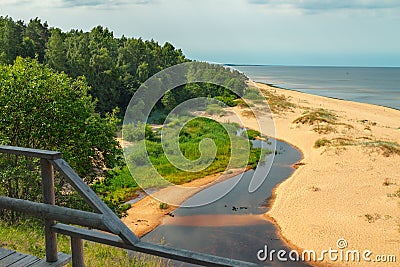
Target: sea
374	85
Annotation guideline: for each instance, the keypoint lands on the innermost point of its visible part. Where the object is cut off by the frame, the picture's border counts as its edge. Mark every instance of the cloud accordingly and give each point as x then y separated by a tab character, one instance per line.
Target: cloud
74	3
103	3
320	5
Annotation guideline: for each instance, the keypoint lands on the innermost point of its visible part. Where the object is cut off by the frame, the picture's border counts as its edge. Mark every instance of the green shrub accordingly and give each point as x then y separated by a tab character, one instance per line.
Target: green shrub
164	206
253	94
228	100
321	142
317	116
117	188
136	132
215	109
251	134
278	103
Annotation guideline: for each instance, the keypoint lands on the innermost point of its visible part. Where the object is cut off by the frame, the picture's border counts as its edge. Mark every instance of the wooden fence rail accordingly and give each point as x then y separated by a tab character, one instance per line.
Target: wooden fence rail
113	231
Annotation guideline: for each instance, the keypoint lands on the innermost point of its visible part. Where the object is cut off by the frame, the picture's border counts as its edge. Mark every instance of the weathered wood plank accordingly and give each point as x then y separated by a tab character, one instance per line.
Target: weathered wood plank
116	226
62	214
63	259
157	250
28	260
12	258
5	252
47	172
77	252
30	152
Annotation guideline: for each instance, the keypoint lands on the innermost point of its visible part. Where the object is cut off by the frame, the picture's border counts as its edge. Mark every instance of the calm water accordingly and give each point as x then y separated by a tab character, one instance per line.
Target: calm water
380	86
232	226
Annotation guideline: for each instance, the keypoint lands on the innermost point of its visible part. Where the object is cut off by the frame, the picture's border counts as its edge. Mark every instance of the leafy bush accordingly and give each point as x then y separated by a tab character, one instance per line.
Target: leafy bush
253	94
228	100
137	132
251	134
164	206
215	109
116	188
44	109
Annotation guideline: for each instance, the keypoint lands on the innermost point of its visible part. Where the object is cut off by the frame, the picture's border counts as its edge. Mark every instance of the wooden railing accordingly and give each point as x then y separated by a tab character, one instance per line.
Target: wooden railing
112	232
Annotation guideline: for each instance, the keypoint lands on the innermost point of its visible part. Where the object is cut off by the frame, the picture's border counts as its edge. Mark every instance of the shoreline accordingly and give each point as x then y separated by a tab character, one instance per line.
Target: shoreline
332	191
277	203
272	86
145	215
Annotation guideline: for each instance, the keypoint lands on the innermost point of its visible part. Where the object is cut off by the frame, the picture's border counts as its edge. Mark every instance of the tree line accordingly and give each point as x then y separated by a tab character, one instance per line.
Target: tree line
113	67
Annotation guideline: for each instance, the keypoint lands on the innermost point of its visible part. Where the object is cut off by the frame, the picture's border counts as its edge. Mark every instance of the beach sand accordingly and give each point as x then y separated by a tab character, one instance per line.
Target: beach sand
145	215
337	192
341	192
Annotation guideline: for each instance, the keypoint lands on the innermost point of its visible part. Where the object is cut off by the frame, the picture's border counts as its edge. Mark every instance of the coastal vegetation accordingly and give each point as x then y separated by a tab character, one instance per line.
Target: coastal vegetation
68	91
278	103
44	109
114	68
191	137
387	148
317	116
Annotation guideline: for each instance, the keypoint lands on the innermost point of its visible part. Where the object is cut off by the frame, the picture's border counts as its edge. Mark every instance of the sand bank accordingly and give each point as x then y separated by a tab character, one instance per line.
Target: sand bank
145	215
341	191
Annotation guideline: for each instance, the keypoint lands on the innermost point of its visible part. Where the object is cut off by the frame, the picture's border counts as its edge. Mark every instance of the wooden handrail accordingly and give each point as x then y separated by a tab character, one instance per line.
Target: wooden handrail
30	152
61	214
119	235
149	248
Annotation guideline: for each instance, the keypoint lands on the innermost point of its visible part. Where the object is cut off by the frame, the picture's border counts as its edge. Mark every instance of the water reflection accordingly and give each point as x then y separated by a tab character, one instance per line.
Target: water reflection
234	225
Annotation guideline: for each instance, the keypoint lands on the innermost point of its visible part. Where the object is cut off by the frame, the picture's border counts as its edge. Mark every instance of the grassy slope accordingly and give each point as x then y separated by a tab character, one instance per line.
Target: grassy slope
29	238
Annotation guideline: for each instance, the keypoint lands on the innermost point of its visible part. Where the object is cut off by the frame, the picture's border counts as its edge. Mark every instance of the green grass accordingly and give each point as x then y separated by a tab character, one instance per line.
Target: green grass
28	238
317	116
278	103
322	142
251	134
116	188
191	137
253	94
119	186
324	129
387	148
215	109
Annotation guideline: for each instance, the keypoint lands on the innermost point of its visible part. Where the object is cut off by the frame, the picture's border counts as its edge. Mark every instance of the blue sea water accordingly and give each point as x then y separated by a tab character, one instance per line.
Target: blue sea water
374	85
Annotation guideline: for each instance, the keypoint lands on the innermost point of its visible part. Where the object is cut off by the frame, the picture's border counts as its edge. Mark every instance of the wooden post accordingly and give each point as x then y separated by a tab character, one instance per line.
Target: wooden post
77	252
49	198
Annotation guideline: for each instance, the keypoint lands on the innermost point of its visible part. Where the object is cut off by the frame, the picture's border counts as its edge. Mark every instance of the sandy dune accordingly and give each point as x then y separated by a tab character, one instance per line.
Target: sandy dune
338	192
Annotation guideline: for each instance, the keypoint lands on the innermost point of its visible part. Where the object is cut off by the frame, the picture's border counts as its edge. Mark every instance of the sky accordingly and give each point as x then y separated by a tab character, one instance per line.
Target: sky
270	32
